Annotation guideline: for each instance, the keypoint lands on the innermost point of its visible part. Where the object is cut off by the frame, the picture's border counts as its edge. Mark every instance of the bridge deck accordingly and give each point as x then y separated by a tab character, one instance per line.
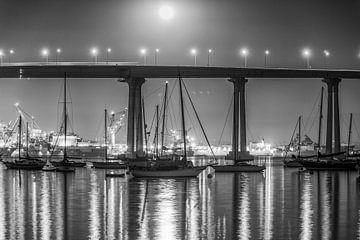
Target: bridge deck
123	70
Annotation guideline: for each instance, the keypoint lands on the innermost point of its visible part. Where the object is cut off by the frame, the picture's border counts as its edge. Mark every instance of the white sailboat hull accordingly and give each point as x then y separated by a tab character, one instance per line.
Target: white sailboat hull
184	172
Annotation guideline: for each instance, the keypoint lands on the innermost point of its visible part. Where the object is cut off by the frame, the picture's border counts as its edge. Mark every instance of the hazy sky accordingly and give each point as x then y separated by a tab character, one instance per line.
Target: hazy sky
284	27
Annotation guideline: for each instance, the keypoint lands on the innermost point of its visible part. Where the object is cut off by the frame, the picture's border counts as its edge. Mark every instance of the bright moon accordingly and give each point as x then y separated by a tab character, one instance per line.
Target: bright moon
166	12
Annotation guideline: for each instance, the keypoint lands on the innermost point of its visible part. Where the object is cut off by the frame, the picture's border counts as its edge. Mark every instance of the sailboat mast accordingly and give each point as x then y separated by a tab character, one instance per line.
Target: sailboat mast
105	137
182	120
145	127
65	119
27	139
320	118
299	146
157	132
19	136
163	119
349	139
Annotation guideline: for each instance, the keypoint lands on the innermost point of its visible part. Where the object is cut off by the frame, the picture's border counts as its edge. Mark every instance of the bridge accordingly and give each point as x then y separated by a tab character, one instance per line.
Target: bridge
134	75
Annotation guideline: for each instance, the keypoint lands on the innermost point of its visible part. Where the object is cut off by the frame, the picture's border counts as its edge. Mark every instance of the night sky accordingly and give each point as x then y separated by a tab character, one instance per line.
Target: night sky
284	27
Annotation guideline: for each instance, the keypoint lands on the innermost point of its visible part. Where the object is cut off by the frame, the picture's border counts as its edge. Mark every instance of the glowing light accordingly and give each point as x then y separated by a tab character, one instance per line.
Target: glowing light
193	51
143	51
58	50
11	51
94	51
109	50
244	52
306	52
166	12
16	104
267	52
157	50
326	53
45	52
210	51
1	53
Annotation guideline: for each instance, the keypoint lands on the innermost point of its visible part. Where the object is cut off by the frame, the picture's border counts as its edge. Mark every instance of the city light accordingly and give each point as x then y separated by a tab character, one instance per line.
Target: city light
166	12
58	51
156	55
307	53
1	56
267	53
45	54
209	53
108	51
94	52
326	55
244	52
193	52
143	52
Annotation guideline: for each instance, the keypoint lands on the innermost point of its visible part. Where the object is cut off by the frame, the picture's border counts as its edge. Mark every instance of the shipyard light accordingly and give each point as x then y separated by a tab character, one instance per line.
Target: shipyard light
166	12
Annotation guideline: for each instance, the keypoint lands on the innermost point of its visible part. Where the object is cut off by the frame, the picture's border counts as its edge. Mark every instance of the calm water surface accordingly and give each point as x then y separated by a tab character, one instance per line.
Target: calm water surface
280	203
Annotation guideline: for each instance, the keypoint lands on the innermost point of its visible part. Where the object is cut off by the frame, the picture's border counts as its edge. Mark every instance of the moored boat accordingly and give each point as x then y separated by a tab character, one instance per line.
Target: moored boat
238	167
48	167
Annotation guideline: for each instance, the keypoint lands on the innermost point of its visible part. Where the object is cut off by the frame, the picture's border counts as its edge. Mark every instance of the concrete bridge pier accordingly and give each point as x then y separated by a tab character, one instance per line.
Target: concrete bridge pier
333	113
135	138
239	109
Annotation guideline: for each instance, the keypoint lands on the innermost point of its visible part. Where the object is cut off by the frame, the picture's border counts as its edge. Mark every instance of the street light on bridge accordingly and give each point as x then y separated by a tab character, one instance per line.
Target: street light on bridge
307	53
156	55
1	56
208	60
11	52
94	52
143	53
326	55
58	51
193	52
244	52
108	51
267	53
45	54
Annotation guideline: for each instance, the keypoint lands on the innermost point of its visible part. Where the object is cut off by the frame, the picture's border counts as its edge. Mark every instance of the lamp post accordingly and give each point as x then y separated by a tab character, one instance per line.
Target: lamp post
326	55
307	53
208	59
108	51
267	53
58	51
193	52
156	55
11	52
143	53
244	52
1	57
94	52
45	54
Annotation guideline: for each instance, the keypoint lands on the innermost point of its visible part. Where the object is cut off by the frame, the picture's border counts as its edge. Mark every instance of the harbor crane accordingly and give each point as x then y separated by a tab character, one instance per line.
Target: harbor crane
116	123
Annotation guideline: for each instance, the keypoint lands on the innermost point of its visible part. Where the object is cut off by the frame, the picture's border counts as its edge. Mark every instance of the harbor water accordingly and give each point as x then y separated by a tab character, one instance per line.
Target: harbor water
280	203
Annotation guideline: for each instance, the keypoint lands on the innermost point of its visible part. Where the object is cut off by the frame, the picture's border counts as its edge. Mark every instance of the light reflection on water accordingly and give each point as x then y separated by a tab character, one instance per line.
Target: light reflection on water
281	203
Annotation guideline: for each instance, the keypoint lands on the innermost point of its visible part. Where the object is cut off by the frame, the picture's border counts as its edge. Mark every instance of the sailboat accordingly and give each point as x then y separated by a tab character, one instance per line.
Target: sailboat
333	161
27	162
177	168
106	164
65	165
295	160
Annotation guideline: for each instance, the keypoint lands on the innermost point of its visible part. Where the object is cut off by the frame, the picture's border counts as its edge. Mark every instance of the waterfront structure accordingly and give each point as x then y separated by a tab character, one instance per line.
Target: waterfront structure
134	75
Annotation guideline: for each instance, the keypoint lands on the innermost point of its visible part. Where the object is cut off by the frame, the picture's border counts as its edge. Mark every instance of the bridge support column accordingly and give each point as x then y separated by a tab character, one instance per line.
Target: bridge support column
333	94
135	143
239	91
